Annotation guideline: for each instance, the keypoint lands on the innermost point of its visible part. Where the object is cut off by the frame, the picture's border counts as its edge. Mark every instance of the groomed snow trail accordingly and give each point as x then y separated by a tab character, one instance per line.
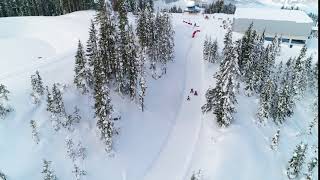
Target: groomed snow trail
173	161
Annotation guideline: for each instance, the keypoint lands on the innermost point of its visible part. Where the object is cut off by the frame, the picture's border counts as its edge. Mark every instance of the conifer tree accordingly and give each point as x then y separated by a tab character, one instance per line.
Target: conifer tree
107	39
92	51
49	100
35	133
308	74
48	173
132	68
82	72
206	48
297	160
58	106
312	164
298	73
265	103
5	108
103	109
37	87
213	51
222	96
142	82
275	140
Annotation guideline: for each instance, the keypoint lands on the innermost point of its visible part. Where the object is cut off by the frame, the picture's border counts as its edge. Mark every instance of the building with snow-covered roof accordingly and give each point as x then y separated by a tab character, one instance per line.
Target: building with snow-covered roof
192	7
294	26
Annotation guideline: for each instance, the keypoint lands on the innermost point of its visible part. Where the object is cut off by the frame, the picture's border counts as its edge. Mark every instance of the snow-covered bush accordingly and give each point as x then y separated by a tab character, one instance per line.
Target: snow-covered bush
48	173
5	108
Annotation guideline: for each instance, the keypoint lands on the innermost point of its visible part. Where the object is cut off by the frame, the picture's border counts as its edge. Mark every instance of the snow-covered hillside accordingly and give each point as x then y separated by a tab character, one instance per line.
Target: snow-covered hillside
170	140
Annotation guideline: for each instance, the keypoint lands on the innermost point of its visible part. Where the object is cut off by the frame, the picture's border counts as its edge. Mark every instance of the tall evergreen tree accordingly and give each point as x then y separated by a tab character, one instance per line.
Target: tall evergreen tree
37	87
92	52
297	161
82	78
223	95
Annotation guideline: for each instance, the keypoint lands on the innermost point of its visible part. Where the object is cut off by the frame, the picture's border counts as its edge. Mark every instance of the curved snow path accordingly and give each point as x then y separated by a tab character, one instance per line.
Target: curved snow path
173	161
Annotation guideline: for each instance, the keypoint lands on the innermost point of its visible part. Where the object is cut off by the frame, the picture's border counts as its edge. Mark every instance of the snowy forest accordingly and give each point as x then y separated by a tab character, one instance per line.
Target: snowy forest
131	90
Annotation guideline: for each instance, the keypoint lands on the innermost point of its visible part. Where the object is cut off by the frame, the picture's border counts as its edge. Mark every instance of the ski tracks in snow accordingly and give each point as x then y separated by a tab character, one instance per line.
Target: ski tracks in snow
174	159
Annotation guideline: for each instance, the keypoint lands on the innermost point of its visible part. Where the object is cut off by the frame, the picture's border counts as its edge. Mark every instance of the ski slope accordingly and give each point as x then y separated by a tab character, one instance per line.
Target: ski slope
169	141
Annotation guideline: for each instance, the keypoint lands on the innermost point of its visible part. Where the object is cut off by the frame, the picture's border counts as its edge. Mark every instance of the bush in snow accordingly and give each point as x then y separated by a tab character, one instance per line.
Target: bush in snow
55	106
35	134
48	173
37	88
196	175
5	109
78	173
71	120
275	140
3	176
297	160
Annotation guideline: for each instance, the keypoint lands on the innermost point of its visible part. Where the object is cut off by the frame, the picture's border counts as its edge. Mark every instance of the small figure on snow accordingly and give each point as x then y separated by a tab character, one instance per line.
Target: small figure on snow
195	93
191	91
188	98
195	24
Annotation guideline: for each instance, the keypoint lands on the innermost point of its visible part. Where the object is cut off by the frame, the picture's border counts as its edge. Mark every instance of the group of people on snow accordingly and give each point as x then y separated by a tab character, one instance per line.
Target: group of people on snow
194	92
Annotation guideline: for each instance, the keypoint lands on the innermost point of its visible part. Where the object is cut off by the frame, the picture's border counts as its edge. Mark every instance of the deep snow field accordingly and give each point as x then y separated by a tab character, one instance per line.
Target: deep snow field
169	141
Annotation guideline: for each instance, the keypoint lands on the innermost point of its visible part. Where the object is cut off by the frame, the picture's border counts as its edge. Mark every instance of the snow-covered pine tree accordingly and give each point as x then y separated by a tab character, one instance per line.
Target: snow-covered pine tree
298	73
213	51
70	149
37	87
265	102
312	164
82	76
81	151
308	73
132	68
103	109
5	108
107	39
71	120
284	104
223	95
169	38
206	46
142	27
92	46
48	173
92	51
259	68
315	79
49	100
249	71
314	122
275	140
246	48
296	162
142	82
35	133
78	173
57	101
